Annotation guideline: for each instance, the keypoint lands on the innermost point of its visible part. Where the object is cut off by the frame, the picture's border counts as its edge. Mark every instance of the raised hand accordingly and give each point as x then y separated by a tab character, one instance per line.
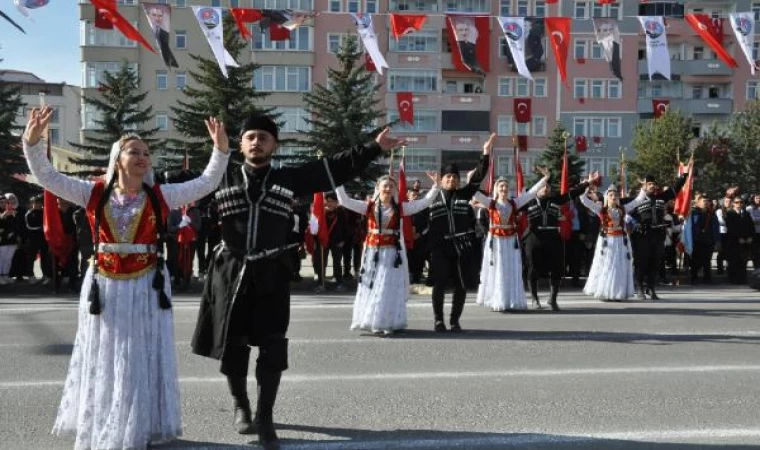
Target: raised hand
488	146
543	170
594	177
218	134
434	176
37	123
388	143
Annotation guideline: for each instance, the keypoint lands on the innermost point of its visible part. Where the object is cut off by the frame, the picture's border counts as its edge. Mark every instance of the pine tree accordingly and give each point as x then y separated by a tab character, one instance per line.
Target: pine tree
231	99
118	103
744	130
552	159
12	157
345	113
658	145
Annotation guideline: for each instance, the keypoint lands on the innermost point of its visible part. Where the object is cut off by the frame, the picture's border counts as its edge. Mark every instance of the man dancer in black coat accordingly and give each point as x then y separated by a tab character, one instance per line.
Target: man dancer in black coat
246	300
452	240
648	237
544	249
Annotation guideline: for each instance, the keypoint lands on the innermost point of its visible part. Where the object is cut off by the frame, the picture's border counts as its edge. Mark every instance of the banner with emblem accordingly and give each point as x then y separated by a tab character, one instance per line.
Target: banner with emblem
658	57
367	33
743	25
514	32
210	21
24	6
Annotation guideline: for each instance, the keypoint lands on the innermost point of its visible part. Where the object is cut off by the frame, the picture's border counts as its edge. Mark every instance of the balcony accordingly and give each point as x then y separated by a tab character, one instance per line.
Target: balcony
705	67
413	5
690	106
676	68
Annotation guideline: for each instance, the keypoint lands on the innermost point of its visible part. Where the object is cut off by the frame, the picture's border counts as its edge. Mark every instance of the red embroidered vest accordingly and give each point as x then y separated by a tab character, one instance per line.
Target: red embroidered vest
609	227
390	232
497	228
142	230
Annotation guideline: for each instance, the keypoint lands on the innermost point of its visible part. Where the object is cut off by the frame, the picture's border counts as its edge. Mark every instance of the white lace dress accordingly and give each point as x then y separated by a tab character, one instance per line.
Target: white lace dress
501	282
380	303
122	391
611	273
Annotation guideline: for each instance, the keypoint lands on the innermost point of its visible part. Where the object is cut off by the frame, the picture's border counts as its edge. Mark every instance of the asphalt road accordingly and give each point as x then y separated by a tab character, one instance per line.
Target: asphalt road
680	373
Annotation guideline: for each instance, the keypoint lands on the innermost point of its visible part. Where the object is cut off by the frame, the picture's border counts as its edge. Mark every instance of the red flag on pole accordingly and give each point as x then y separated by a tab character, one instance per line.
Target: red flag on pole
558	29
682	206
243	16
703	25
581	144
405	103
111	12
406	24
406	222
565	223
491	178
60	243
319	212
522	218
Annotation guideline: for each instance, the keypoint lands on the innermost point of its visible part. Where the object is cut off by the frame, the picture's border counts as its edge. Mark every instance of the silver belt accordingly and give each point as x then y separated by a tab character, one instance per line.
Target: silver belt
126	248
389	232
548	228
505	227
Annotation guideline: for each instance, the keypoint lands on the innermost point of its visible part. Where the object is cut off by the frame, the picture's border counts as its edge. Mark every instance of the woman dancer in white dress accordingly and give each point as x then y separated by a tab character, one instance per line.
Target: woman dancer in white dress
122	391
380	304
611	273
501	282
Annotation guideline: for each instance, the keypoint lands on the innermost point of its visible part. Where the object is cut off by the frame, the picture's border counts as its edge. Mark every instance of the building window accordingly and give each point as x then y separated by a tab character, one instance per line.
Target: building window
699	53
505	7
216	3
596	128
539	125
300	40
354	6
284	4
334	5
539	87
505	87
522	8
522	129
420	159
96	37
581	88
752	89
402	80
336	40
55	136
180	39
610	127
614	89
614	127
370	6
580	49
522	87
597	89
424	120
282	79
504	125
162	80
90	117
539	9
181	81
56	116
421	41
92	72
755	51
293	119
597	51
468	5
581	10
181	3
579	127
609	10
756	11
162	121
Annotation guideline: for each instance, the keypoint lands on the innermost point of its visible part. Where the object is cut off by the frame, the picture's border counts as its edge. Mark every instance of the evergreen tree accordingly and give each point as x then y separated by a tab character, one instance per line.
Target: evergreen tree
715	169
552	159
118	103
744	151
12	157
658	144
231	99
346	112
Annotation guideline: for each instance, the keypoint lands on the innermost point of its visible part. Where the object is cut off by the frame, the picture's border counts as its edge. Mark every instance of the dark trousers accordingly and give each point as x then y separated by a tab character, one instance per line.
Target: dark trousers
33	248
416	257
574	249
334	252
737	263
544	253
648	249
701	259
348	256
446	269
756	251
202	251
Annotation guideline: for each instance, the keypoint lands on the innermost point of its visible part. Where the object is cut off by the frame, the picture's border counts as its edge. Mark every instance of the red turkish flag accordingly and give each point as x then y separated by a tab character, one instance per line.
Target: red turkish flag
278	33
716	29
660	107
469	37
406	222
609	2
522	110
703	25
406	24
405	103
243	16
60	243
522	143
565	223
520	180
323	234
558	29
551	2
581	144
682	206
111	12
103	20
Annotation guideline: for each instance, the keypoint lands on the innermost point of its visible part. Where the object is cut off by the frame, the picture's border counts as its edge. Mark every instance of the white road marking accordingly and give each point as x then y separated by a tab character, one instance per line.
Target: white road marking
342	377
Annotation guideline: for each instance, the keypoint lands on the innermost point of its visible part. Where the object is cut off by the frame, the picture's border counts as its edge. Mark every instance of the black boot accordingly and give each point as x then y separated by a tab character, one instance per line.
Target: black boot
652	294
534	294
553	298
268	382
243	422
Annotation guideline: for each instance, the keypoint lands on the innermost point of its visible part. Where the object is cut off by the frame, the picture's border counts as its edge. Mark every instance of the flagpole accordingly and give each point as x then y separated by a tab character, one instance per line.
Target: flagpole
390	163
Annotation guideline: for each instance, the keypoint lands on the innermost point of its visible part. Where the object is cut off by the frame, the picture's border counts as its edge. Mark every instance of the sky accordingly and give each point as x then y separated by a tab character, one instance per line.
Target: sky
50	47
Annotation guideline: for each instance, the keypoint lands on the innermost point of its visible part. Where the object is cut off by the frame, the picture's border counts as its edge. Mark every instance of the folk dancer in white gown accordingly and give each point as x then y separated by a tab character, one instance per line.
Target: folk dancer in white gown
501	278
122	390
383	281
611	273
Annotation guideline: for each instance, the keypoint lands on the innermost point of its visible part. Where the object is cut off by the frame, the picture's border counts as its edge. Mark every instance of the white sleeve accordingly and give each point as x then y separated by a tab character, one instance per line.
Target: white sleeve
349	203
74	190
525	197
590	204
482	198
179	194
641	198
415	206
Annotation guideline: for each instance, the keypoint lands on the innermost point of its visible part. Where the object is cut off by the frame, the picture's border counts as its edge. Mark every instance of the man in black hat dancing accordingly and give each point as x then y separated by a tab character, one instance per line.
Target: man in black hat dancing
246	300
452	239
648	237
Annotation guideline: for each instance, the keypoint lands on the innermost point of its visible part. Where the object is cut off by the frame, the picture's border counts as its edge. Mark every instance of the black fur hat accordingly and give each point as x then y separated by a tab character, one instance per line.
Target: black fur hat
260	122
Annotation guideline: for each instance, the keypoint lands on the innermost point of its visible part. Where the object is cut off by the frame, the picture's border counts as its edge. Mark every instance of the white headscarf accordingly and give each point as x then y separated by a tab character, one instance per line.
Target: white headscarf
495	192
377	187
114	157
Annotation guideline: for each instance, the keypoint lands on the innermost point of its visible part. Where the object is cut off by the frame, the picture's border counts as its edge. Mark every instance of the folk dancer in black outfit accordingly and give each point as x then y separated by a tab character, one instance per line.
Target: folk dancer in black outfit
740	231
246	300
544	249
706	232
452	240
648	236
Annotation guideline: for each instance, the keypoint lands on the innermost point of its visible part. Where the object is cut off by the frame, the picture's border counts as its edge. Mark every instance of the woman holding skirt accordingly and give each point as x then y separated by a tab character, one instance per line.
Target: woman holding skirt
501	279
122	390
383	280
611	273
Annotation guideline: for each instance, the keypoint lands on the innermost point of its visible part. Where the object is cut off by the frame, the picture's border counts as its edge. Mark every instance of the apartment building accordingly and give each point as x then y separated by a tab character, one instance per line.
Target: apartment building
455	111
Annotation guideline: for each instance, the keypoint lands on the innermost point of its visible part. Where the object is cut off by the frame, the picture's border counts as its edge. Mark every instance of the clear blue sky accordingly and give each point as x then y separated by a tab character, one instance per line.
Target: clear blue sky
50	47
